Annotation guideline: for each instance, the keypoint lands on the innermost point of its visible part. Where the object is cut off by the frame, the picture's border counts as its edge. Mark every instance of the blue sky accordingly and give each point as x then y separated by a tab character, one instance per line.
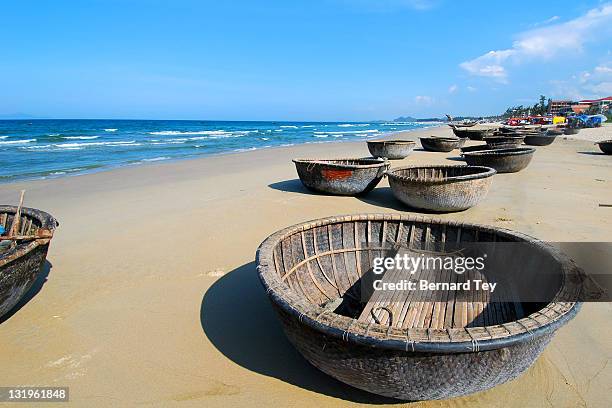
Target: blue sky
299	59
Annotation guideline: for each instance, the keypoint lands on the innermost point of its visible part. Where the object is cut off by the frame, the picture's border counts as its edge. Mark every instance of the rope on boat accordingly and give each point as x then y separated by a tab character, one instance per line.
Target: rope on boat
345	334
475	345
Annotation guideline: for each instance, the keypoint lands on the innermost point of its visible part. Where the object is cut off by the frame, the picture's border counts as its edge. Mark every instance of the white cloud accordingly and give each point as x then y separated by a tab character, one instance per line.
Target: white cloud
596	83
547	21
544	43
423	100
453	88
470	88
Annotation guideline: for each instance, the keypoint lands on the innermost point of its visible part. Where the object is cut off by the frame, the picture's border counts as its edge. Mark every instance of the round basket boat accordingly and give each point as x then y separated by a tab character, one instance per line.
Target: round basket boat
341	176
440	188
391	149
504	141
402	349
540	139
571	131
472	134
555	132
476	148
502	160
605	146
440	144
21	264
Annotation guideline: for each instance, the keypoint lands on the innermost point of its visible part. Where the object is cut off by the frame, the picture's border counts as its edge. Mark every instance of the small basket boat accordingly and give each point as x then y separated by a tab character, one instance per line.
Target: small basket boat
476	148
21	264
308	269
504	141
472	134
571	131
461	140
539	139
502	160
440	144
391	149
555	132
605	146
441	188
341	176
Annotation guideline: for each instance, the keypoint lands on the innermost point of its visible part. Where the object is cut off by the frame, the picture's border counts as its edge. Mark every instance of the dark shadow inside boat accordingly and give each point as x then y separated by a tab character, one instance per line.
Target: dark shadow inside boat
29	295
239	321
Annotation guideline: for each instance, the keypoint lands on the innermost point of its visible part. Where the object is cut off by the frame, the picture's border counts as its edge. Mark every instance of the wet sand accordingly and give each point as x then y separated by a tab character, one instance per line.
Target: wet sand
151	296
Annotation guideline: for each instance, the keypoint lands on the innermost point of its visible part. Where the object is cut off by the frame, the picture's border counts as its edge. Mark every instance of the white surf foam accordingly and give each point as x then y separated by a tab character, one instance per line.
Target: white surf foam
197	132
13	142
80	137
154	159
81	145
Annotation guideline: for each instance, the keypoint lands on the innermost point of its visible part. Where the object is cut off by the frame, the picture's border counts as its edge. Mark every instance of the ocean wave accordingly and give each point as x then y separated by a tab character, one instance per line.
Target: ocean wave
13	142
321	135
3	137
308	126
245	149
354	124
154	159
79	145
288	127
264	138
35	147
278	130
110	130
347	132
80	137
166	143
196	132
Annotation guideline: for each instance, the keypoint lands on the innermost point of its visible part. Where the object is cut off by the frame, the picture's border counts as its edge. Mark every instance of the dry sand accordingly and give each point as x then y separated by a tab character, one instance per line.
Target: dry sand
152	298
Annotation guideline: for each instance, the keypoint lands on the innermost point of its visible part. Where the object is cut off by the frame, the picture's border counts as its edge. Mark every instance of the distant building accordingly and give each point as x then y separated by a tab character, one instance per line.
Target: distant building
579	108
556	107
603	104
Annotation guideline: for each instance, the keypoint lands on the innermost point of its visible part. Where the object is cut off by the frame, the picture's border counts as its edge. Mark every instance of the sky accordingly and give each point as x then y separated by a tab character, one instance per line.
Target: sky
310	60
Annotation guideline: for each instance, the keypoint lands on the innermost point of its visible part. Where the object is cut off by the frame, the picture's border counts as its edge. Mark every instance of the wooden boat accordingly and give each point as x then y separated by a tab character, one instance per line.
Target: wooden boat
605	146
503	160
316	277
504	141
571	131
473	134
440	144
440	188
22	262
476	148
391	149
341	176
539	139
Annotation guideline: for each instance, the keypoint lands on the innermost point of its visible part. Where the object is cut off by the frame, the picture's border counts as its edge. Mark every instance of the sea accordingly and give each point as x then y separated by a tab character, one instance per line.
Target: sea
37	149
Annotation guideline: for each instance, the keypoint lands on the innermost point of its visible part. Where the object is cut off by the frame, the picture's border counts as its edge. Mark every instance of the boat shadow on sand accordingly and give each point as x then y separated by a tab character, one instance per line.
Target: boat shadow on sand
40	281
237	318
380	196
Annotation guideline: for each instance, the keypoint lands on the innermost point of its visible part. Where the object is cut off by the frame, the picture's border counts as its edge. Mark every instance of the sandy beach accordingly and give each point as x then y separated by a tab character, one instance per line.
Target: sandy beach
150	295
